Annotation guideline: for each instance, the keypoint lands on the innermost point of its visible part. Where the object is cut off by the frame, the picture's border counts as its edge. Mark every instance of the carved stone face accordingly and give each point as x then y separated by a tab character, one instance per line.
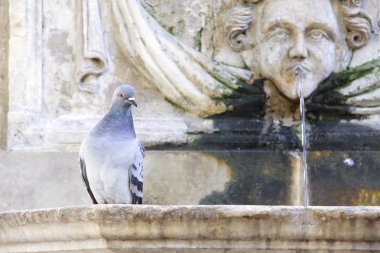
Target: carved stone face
295	33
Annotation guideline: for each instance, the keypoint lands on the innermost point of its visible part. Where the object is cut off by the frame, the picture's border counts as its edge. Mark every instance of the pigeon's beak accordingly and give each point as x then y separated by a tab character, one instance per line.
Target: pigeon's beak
132	100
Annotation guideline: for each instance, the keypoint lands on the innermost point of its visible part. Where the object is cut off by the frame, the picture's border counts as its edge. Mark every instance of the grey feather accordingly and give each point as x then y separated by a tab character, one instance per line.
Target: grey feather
111	155
136	176
85	180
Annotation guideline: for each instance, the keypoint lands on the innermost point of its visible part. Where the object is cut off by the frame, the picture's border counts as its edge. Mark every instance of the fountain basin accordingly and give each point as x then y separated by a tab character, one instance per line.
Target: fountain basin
150	228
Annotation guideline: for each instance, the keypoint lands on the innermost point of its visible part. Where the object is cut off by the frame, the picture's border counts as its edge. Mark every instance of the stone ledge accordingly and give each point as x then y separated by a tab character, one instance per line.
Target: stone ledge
185	228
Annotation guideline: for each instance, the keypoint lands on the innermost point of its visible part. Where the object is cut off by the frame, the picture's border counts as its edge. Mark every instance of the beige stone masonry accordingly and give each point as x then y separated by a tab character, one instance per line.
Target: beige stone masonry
145	228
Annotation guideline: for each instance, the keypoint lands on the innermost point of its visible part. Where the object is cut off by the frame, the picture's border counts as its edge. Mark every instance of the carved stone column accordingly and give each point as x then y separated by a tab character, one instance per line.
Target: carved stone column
25	73
4	36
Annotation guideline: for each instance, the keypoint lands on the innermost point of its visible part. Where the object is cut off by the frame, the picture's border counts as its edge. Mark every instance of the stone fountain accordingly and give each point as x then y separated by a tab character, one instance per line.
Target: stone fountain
219	113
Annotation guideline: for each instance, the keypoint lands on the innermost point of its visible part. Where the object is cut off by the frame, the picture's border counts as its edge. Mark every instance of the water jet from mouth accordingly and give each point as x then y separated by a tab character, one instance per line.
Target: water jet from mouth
298	73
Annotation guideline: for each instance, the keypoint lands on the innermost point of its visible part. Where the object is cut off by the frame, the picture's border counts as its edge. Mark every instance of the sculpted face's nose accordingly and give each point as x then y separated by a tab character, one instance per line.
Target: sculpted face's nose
299	48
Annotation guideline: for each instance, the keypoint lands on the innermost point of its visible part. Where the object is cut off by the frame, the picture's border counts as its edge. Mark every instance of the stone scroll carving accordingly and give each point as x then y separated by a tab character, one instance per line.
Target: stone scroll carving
93	60
271	45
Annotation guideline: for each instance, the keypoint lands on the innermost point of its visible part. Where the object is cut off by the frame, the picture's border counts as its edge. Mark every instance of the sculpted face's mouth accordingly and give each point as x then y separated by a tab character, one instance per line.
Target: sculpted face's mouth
287	81
299	69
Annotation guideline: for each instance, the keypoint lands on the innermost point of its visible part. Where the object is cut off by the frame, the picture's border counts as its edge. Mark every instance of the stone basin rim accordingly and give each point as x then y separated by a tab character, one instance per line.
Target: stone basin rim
224	210
175	206
191	226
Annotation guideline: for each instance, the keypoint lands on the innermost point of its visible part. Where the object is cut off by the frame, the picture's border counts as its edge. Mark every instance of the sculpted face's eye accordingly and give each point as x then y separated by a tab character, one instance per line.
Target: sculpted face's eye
318	35
279	34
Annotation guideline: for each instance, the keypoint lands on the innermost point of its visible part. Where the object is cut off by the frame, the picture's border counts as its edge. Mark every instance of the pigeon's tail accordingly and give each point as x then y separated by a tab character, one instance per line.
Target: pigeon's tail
136	200
136	176
136	187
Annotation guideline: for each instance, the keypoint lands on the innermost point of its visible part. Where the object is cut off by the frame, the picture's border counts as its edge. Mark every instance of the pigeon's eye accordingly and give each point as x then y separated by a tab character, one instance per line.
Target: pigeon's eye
120	95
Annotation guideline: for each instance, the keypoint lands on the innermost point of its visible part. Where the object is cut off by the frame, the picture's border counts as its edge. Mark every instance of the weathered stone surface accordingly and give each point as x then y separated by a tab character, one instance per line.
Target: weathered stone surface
126	228
49	179
40	180
52	179
258	178
345	178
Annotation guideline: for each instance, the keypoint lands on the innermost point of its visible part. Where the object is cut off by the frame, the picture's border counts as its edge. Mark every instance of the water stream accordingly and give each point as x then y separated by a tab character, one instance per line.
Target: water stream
298	73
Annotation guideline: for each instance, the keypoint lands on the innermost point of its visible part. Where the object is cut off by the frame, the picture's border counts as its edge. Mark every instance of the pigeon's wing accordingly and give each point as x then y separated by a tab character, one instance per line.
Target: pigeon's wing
85	180
355	91
136	176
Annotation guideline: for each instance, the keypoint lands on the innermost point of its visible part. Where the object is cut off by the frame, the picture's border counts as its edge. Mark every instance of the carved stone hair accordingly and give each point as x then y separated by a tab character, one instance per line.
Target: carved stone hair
358	23
236	26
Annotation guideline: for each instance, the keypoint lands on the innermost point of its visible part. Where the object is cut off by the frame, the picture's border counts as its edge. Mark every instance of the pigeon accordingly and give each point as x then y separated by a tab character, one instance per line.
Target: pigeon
111	156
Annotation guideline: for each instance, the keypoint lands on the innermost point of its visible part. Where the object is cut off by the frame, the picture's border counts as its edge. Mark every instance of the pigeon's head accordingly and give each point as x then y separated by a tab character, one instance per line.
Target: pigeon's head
124	95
